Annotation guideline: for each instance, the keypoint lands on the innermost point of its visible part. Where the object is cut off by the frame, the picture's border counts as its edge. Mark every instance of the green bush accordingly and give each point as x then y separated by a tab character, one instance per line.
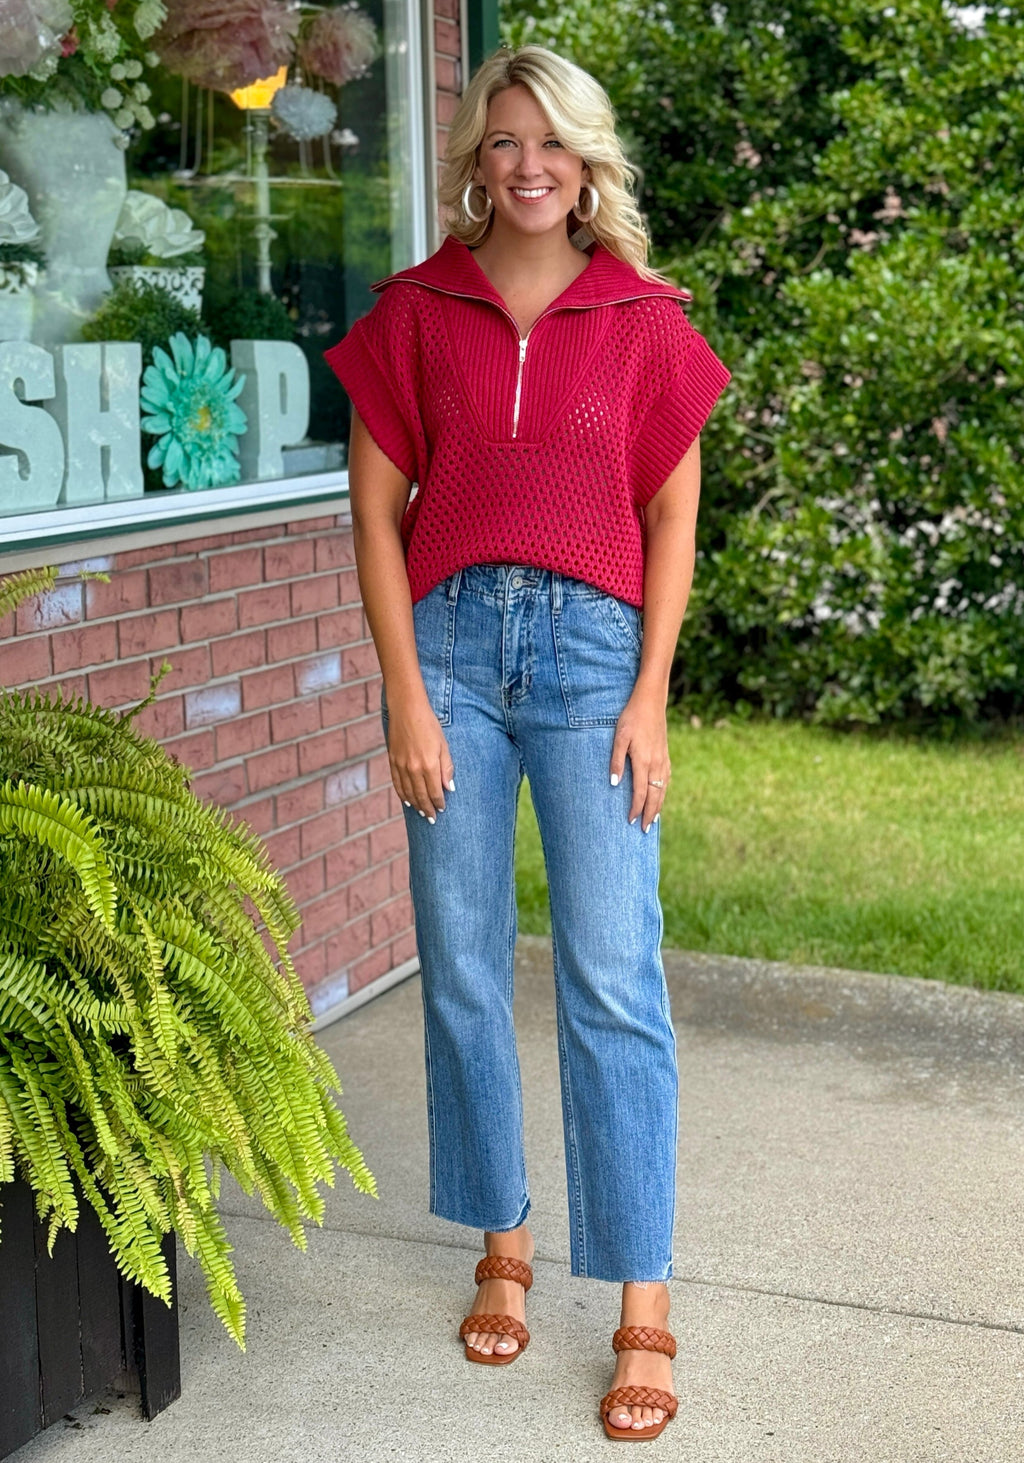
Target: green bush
19	262
839	186
133	252
11	253
144	312
234	313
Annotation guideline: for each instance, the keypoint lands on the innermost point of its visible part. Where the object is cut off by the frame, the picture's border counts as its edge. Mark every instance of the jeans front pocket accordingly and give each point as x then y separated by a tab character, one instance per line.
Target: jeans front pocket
597	643
628	616
434	622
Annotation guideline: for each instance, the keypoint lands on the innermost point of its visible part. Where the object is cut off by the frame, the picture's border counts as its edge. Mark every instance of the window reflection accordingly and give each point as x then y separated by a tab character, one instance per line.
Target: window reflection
257	212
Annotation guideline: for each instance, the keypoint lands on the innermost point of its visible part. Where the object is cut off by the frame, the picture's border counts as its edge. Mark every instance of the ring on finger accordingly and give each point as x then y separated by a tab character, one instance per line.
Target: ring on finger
655	782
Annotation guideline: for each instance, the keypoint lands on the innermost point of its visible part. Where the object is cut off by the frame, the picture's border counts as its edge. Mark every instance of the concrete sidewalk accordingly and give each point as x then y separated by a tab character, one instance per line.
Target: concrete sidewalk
848	1252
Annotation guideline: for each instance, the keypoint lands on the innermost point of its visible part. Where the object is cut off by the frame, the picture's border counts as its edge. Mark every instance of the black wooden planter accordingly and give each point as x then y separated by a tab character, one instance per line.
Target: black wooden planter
70	1325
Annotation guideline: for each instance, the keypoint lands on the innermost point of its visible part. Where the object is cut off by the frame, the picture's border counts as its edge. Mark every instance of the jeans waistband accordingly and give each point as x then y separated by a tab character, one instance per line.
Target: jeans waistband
494	581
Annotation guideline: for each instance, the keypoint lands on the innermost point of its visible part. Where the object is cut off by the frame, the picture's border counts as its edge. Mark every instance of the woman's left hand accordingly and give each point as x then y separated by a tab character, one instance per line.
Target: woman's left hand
641	733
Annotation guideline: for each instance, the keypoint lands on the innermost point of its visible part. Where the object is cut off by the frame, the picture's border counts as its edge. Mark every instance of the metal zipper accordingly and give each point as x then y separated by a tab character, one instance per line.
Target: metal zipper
519	383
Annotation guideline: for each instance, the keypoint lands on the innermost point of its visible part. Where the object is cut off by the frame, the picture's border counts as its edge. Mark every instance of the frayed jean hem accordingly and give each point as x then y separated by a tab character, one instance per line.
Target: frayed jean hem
486	1225
619	1279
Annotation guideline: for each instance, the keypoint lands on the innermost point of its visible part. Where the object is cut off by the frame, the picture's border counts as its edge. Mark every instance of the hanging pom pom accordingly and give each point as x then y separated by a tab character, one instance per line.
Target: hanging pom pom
304	113
340	46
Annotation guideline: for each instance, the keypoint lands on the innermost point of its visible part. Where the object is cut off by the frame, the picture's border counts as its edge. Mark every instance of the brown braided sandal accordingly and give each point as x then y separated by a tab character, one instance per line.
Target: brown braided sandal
499	1267
640	1338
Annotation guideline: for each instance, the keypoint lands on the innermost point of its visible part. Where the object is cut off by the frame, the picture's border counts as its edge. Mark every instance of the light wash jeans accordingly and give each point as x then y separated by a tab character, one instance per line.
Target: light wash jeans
528	671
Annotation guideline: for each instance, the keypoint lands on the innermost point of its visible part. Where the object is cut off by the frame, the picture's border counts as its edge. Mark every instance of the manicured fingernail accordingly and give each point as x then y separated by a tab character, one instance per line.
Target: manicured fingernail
407	803
431	820
421	812
451	785
648	828
632	821
615	779
657	817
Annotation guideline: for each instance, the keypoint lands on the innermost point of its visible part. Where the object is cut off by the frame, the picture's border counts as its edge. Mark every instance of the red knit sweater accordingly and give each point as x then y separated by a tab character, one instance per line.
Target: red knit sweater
539	451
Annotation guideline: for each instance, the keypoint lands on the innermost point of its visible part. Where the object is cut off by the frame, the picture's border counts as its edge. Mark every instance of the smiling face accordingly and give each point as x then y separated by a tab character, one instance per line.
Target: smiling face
532	179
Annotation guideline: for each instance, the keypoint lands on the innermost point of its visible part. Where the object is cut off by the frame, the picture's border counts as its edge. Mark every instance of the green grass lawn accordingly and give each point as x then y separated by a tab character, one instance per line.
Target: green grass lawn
792	843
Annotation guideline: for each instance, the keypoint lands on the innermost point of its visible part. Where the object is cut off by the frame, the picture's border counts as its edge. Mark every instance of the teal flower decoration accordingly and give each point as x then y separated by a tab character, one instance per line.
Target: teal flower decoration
190	397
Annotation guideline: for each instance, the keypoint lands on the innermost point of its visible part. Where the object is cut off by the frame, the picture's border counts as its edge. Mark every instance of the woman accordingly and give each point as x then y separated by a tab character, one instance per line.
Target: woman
547	398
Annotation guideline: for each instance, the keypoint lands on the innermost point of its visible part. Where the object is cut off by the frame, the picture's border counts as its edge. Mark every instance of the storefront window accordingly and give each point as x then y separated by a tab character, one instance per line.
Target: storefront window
190	194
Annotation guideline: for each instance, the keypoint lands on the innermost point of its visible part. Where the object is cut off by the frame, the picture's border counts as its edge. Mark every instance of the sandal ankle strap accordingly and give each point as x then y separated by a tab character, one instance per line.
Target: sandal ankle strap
644	1338
504	1267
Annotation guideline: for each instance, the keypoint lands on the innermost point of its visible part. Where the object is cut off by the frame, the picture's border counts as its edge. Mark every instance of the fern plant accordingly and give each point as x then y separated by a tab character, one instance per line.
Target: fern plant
153	1030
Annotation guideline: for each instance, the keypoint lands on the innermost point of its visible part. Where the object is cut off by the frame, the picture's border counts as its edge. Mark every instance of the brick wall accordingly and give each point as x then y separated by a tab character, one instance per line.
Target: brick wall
447	66
273	702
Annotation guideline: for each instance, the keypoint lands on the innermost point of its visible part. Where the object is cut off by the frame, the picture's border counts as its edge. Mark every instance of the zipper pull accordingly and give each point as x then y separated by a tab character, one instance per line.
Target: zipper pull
522	351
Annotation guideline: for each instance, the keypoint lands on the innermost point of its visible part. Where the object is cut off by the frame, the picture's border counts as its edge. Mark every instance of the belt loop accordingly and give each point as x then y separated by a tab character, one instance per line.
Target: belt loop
454	584
556	592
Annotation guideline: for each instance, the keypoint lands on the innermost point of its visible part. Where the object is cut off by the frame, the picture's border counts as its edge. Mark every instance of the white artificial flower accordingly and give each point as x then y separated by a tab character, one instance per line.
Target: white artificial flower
147	220
17	226
124	118
111	98
141	92
118	72
45	68
149	17
304	113
104	39
179	236
133	69
146	119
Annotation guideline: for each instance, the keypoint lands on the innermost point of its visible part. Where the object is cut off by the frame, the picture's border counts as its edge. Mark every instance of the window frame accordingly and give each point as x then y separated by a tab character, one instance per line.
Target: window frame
53	528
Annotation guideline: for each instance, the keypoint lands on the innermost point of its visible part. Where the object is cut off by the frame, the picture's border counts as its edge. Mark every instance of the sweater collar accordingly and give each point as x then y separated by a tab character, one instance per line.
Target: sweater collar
607	280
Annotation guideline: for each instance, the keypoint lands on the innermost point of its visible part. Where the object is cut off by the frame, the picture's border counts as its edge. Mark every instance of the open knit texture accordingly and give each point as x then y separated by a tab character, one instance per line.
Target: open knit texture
543	453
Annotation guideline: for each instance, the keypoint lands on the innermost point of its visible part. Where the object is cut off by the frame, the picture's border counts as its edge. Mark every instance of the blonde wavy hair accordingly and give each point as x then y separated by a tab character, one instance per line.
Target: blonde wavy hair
581	117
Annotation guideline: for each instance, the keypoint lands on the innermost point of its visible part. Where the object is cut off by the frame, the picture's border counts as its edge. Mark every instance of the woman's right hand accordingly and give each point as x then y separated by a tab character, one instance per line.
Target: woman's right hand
421	764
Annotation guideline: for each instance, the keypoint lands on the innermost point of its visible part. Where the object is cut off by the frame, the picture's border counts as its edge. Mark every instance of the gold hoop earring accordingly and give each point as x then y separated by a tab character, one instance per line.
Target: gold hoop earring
465	203
595	204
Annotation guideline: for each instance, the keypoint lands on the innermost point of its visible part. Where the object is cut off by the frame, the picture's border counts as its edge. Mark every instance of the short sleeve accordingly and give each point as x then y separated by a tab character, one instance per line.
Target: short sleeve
692	378
377	363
